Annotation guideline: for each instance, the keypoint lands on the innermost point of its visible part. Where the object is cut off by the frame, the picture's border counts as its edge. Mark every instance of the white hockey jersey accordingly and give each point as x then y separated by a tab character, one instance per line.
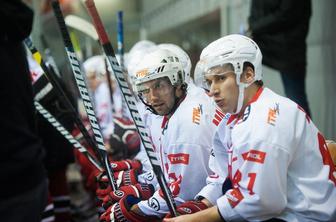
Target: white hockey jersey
103	109
183	145
278	163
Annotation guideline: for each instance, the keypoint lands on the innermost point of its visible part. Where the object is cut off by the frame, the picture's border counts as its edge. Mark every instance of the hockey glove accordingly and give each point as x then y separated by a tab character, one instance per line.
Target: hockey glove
124	178
189	207
142	191
121	211
126	165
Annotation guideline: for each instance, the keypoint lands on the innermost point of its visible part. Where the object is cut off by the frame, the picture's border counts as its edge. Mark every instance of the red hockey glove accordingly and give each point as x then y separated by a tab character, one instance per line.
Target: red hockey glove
126	165
121	211
142	191
189	207
124	178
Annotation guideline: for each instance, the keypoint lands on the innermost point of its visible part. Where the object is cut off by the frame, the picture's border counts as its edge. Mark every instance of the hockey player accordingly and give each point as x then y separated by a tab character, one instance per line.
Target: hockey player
269	148
184	142
95	69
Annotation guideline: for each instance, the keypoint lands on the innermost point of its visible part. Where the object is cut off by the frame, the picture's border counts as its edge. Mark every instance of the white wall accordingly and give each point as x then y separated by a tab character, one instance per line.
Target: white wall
321	74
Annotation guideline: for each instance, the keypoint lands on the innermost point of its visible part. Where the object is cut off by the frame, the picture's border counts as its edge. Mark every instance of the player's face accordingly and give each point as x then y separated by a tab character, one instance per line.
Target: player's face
159	93
93	82
223	88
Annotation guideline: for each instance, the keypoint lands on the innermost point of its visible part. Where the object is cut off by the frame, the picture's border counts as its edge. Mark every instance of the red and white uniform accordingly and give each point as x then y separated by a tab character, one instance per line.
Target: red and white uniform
103	109
278	163
183	145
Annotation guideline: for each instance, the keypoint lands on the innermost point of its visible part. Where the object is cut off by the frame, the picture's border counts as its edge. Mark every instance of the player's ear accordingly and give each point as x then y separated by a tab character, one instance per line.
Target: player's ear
248	75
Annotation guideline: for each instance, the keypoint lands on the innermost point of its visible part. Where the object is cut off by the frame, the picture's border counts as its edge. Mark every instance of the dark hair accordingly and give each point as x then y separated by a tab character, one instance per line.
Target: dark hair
259	83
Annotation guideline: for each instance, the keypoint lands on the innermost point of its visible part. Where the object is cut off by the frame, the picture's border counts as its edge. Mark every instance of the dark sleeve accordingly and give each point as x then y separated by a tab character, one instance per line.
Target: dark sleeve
16	20
267	16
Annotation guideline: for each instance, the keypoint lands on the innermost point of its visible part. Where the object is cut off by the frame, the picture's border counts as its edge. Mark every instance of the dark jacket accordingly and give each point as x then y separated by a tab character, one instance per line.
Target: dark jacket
21	151
280	28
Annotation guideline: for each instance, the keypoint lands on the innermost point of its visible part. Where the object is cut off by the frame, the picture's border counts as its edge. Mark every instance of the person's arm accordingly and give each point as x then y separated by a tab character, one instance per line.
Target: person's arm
210	215
259	182
186	165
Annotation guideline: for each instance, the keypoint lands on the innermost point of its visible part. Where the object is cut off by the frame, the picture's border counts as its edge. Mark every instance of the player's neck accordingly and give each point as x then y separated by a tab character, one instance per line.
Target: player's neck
249	96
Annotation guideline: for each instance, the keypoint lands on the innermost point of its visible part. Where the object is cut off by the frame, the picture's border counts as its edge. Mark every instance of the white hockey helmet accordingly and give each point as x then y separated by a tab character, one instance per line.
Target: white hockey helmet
232	49
183	56
95	65
157	64
140	45
136	54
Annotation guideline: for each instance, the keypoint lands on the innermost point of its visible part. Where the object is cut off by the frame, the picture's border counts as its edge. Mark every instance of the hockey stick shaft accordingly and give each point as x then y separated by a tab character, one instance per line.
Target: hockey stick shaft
66	134
49	57
121	46
81	84
120	38
51	76
131	103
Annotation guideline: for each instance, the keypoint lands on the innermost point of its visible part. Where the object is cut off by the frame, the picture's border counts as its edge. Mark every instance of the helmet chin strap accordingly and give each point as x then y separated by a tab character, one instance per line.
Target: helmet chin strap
241	88
178	100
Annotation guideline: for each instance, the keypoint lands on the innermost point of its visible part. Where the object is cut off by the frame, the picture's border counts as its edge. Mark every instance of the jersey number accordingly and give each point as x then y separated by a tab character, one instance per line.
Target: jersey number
238	177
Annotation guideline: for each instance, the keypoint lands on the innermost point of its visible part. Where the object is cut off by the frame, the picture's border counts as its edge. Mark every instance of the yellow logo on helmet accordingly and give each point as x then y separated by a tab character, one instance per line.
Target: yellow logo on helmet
142	73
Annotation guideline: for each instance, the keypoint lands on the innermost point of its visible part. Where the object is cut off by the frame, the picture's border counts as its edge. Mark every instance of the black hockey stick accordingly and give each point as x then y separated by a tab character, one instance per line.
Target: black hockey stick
131	103
81	84
67	135
51	76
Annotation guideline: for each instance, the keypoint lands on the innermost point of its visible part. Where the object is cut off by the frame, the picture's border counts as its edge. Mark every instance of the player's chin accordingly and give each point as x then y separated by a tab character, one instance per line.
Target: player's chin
160	110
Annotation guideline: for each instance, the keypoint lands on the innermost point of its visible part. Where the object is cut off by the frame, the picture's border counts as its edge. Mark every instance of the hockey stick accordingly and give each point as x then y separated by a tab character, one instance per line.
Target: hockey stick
49	58
67	135
51	76
120	38
81	25
121	46
131	103
87	28
81	84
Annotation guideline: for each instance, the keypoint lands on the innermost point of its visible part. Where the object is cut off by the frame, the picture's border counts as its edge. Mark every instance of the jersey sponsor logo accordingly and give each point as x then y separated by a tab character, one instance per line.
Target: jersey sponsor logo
154	204
234	197
272	114
196	116
254	156
179	158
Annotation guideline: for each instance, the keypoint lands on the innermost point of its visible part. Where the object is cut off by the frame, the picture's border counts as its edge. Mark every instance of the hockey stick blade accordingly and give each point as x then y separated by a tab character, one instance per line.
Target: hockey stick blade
81	84
131	103
66	134
82	25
